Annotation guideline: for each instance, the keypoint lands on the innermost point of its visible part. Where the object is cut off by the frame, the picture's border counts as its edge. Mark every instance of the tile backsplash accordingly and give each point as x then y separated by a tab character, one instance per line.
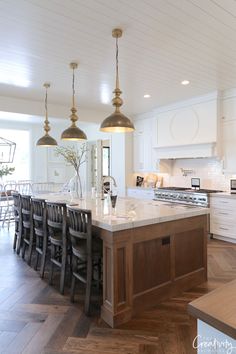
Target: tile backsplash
209	170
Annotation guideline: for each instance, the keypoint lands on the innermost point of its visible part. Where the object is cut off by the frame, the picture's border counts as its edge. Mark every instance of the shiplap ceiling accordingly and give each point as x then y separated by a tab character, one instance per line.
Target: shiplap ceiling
164	42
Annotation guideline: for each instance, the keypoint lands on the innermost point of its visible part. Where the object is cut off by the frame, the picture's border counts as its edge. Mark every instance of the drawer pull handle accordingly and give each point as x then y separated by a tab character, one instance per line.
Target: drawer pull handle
224	213
165	241
223	228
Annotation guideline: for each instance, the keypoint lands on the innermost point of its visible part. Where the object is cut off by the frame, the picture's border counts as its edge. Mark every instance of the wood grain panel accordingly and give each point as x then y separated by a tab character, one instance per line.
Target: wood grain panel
108	275
121	281
151	264
189	251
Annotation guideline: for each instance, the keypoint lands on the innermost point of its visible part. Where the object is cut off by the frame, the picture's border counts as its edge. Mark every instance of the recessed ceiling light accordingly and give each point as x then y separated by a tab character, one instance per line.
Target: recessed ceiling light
147	96
185	82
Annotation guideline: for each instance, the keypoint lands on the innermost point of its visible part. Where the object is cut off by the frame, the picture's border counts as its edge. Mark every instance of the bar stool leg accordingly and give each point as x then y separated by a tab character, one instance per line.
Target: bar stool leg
72	289
43	257
31	244
51	267
63	270
37	261
88	286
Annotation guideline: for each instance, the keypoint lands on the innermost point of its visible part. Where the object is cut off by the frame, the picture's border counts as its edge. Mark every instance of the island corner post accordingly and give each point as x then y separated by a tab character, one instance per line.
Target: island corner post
145	265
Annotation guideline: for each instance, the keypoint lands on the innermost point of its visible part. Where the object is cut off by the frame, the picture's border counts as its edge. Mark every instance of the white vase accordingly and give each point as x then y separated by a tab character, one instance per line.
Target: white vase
75	187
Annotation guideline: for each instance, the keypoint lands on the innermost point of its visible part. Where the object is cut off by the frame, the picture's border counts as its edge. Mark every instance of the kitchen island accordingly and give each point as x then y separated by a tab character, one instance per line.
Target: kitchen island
151	251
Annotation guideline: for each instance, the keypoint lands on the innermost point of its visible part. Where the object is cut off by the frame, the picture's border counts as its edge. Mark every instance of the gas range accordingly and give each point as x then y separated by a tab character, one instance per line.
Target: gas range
195	197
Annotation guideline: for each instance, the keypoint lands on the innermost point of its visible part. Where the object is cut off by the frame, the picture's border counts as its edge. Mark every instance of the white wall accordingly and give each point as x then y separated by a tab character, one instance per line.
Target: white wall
43	165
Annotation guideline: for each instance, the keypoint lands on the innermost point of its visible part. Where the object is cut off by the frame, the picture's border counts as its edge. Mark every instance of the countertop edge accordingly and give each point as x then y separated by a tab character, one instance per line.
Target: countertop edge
223	195
136	223
194	309
212	321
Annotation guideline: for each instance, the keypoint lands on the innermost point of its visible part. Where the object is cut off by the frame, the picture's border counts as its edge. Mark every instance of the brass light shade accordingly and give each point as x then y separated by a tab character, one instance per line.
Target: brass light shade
46	140
73	132
117	122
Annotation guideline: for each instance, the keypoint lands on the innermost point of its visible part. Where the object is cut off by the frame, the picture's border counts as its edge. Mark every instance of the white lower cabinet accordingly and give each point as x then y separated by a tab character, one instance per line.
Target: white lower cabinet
140	193
222	218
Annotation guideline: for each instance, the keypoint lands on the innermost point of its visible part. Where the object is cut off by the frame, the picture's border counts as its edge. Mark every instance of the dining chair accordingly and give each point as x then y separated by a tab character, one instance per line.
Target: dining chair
6	206
86	252
42	187
10	187
24	188
39	235
17	217
57	233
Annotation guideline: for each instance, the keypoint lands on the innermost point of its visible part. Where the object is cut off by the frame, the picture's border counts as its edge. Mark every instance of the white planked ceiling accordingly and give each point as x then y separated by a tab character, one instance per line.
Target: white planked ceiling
164	42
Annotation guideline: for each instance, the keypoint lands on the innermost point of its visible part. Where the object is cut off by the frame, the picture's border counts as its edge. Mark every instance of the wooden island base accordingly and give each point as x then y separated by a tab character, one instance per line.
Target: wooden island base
143	266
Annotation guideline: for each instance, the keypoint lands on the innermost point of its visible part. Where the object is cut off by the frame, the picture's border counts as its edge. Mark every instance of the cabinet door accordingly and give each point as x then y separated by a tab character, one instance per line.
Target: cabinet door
229	146
142	146
138	149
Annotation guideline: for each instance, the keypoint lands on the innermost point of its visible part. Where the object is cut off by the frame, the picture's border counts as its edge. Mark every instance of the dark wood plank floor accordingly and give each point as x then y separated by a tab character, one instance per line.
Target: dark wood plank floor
35	318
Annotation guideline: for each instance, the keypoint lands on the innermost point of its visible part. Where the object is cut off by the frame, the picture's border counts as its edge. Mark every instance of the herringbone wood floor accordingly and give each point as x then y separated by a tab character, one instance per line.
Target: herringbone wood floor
35	318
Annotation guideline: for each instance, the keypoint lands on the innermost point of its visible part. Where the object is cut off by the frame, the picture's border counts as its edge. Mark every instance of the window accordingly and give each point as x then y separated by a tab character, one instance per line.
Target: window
106	161
21	160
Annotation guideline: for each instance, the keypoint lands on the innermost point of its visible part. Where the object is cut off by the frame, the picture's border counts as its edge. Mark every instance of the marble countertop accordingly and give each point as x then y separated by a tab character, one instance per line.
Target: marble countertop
129	212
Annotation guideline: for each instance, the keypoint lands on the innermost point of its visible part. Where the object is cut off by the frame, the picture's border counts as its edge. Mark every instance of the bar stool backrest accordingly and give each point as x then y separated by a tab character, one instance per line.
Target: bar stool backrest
56	215
26	210
16	202
38	209
80	227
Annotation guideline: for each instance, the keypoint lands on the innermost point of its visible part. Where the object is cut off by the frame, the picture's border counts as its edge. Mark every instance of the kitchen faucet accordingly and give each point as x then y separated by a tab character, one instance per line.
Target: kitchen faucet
107	179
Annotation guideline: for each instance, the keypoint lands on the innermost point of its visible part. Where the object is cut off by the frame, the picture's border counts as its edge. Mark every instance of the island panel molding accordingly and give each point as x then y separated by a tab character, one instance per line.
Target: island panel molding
151	264
189	252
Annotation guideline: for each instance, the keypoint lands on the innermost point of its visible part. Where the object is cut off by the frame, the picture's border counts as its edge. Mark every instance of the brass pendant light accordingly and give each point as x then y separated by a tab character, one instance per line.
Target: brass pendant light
117	122
73	132
46	140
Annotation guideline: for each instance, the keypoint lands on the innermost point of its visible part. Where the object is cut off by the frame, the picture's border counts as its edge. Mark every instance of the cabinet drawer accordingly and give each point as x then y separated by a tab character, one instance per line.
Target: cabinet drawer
141	194
223	229
132	193
223	203
223	215
147	195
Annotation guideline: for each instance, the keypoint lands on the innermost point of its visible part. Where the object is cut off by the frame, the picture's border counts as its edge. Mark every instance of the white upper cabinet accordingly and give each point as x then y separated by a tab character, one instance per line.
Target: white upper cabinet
138	147
188	131
229	131
229	146
143	154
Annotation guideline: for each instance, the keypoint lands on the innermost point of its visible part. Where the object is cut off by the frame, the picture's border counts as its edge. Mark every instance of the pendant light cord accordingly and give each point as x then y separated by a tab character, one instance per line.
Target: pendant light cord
73	88
117	64
46	104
